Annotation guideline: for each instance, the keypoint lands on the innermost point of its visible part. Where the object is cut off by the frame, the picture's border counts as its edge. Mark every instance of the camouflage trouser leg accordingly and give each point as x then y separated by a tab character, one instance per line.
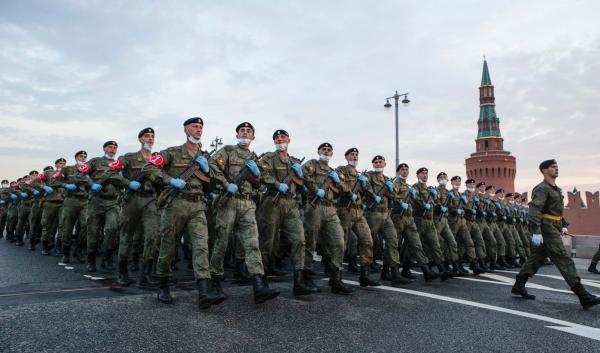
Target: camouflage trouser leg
3	216
490	241
50	217
449	247
179	215
12	217
23	217
381	223
102	223
429	238
35	223
281	219
240	213
355	226
138	215
73	210
553	248
137	243
518	242
501	243
322	223
411	248
511	247
465	244
480	250
523	235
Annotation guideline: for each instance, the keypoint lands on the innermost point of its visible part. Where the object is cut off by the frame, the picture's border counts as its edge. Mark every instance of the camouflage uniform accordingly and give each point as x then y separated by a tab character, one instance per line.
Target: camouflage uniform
471	218
23	211
458	225
425	224
74	210
483	212
446	237
12	214
53	203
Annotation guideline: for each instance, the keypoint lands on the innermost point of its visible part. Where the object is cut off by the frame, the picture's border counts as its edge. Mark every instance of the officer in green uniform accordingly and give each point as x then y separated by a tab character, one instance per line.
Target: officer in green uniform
548	226
321	222
425	199
55	195
237	210
279	213
458	225
23	210
138	210
446	237
74	206
471	204
350	211
36	186
102	208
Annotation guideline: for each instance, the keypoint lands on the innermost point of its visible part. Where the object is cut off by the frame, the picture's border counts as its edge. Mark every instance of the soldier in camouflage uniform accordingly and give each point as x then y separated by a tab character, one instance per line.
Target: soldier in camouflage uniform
12	213
548	226
512	213
237	209
321	221
425	199
520	224
489	206
102	208
55	195
4	202
350	212
139	210
279	213
23	210
446	237
36	185
501	219
74	206
471	205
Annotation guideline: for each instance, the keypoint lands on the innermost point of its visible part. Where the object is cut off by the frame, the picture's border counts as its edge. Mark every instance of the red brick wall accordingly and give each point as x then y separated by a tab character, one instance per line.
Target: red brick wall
584	221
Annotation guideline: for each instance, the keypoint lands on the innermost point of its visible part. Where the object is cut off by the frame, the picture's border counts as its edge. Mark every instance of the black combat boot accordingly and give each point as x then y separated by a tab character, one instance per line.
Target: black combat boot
277	269
364	279
502	262
216	289
145	276
239	271
522	260
385	272
107	261
123	276
31	244
66	255
592	268
45	248
519	288
336	284
398	280
164	294
91	262
476	269
353	265
494	265
58	247
309	282
207	298
428	275
262	292
458	268
586	299
135	262
77	255
375	266
444	273
406	271
511	262
299	287
483	266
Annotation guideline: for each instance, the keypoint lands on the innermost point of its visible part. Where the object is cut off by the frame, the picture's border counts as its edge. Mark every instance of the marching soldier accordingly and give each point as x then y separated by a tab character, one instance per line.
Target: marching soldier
520	224
446	237
511	221
458	226
279	213
36	186
501	219
4	202
12	215
547	224
321	220
483	214
491	221
471	202
55	194
234	168
350	211
24	209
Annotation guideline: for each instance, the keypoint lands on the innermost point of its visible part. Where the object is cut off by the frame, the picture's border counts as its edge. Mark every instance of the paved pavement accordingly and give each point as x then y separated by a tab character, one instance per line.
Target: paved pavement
45	307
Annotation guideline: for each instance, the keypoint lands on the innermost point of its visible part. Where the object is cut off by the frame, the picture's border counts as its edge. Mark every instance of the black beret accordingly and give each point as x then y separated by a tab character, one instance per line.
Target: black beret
480	183
499	191
422	169
60	160
401	165
377	158
109	143
350	150
194	120
441	174
489	187
470	181
47	168
279	132
244	124
325	144
146	131
510	194
33	172
547	164
4	181
517	195
456	177
80	152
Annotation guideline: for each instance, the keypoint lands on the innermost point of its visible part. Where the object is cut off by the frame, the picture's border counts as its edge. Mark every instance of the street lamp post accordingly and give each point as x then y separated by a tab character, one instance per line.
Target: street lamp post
215	144
387	105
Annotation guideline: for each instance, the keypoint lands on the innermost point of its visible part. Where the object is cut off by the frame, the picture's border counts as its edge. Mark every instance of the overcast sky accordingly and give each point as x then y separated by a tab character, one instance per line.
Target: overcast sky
74	74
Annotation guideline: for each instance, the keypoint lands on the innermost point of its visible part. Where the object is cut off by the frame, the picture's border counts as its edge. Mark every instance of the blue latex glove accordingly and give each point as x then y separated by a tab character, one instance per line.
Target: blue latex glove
48	189
36	193
497	204
213	195
504	218
253	168
2	202
232	188
362	180
537	240
463	198
404	206
70	187
451	195
412	192
473	211
484	213
283	188
433	193
13	197
494	214
297	168
487	202
177	183
320	193
515	209
354	198
202	163
428	206
514	220
24	195
459	212
389	186
444	209
304	188
476	200
96	187
334	176
377	200
135	185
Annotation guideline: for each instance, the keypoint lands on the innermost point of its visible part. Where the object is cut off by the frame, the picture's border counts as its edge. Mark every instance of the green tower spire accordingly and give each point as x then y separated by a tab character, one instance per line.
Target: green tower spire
488	122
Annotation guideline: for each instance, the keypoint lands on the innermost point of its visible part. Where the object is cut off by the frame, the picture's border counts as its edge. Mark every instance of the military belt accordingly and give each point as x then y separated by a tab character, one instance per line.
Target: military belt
380	209
326	203
551	216
106	197
287	195
190	197
243	196
54	201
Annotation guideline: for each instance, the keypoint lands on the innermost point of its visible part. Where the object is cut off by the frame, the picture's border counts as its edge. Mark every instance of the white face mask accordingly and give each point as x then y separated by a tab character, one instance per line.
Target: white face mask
471	189
443	182
191	139
5	185
109	156
456	187
281	146
511	202
147	147
353	163
481	192
500	198
422	181
78	162
244	142
402	177
378	170
324	158
491	194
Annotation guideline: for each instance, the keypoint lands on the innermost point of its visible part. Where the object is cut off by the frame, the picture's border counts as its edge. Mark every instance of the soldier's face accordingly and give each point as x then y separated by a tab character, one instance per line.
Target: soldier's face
147	138
379	164
481	188
470	186
403	172
110	150
352	156
195	130
245	133
60	165
281	138
423	176
552	171
81	158
455	184
326	151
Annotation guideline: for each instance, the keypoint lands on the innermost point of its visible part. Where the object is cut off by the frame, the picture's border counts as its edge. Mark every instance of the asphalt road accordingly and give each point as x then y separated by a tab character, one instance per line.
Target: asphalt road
45	307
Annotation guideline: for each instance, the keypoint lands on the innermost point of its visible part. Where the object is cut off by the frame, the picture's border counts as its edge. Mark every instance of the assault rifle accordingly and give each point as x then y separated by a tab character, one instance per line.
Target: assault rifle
291	177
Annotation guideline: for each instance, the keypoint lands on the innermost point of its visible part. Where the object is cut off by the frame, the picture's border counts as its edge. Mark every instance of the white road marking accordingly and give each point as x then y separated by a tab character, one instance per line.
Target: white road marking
565	326
587	282
69	267
62	264
93	278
